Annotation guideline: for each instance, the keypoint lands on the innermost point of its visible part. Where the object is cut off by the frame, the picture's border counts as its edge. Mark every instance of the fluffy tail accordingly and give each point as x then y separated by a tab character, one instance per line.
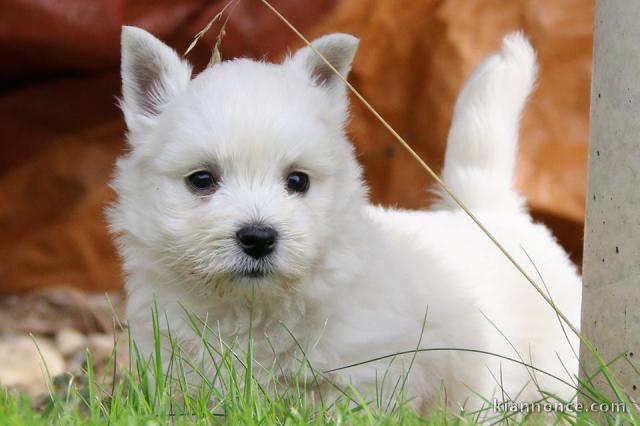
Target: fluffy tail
483	139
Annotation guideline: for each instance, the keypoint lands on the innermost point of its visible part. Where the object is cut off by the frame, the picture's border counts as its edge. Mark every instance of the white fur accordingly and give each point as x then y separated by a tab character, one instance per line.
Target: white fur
351	281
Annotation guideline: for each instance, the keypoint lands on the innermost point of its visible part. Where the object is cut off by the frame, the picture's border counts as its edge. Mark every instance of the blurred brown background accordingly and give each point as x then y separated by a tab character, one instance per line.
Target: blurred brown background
61	131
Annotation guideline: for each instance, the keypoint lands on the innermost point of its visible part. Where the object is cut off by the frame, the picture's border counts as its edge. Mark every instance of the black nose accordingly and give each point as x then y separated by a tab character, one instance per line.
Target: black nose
257	240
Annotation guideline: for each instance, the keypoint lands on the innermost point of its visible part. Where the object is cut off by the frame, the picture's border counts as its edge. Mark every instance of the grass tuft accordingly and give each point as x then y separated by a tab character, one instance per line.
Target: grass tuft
221	383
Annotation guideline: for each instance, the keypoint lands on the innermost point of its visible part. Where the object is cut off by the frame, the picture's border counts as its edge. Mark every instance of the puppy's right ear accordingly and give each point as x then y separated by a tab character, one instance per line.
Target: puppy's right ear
152	75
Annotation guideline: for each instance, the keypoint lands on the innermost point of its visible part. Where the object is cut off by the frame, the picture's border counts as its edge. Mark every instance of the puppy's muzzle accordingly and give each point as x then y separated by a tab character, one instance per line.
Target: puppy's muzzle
257	241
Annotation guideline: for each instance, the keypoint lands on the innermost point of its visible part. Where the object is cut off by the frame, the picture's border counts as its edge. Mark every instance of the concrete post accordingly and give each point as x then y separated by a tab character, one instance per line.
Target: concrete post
611	269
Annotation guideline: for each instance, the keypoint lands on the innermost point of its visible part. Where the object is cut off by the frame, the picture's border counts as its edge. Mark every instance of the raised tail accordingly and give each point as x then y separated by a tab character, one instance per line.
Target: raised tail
483	139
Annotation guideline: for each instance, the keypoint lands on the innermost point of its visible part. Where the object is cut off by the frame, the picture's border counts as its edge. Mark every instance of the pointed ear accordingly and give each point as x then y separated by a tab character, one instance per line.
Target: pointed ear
152	75
339	49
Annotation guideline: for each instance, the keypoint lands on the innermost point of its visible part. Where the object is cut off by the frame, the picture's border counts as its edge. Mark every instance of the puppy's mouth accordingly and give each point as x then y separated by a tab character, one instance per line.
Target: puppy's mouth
255	273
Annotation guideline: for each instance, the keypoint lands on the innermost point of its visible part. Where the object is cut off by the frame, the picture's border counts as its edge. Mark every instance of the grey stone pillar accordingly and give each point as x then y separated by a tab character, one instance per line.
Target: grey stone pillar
611	269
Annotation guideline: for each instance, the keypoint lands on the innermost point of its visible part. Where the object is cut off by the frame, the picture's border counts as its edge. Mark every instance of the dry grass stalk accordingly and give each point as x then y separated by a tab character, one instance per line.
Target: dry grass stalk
215	52
433	174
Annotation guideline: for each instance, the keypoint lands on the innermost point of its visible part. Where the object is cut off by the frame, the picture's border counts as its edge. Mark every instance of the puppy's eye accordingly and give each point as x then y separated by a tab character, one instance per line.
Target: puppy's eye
202	182
297	182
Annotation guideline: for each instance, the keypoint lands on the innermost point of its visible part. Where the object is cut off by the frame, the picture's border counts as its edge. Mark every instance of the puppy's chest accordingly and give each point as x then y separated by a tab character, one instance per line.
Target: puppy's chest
279	333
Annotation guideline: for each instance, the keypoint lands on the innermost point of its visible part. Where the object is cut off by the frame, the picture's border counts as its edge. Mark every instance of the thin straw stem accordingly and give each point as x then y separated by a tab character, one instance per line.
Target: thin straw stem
430	171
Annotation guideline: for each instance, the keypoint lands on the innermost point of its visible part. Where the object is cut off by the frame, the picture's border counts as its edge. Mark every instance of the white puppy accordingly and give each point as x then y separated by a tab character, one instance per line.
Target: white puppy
241	188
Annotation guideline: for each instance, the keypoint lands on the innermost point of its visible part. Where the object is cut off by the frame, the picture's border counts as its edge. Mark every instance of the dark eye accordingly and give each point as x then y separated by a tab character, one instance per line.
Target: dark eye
202	182
298	182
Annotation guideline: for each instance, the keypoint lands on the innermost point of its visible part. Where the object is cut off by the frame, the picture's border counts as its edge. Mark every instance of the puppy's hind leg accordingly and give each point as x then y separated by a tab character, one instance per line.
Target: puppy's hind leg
483	139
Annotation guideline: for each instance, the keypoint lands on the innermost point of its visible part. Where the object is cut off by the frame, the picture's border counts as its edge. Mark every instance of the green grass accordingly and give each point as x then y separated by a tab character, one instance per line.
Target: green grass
233	389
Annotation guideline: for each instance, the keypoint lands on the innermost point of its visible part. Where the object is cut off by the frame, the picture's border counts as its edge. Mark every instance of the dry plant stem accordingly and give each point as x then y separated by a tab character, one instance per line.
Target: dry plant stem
208	27
431	173
215	52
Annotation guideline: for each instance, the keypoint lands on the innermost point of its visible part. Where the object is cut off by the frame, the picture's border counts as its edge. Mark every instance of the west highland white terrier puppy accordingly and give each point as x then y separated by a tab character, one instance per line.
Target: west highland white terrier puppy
241	201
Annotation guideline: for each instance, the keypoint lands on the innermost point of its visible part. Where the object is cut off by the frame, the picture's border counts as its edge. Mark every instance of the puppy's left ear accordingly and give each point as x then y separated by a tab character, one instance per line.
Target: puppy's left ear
152	75
339	49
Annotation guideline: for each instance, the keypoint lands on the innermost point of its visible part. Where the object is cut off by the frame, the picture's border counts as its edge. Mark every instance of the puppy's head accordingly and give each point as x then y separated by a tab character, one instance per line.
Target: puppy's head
242	175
